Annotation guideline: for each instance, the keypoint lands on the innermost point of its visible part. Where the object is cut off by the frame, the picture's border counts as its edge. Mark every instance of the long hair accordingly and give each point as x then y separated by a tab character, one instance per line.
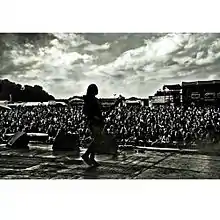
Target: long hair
92	90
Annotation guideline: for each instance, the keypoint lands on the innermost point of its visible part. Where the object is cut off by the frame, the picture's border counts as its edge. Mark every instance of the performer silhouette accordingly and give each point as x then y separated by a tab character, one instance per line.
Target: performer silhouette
93	111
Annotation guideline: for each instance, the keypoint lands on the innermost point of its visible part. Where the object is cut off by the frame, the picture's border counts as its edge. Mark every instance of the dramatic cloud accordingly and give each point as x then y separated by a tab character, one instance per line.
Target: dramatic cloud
128	64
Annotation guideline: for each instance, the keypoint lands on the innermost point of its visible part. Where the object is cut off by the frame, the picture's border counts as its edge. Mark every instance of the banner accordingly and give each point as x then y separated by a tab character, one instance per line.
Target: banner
195	96
209	96
158	100
218	95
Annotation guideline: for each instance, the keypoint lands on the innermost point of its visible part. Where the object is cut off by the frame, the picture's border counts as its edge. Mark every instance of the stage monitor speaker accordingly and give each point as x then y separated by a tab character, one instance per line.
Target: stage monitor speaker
66	142
19	140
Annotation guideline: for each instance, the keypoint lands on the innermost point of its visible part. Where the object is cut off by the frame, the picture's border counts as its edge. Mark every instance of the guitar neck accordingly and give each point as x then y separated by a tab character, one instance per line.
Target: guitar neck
111	108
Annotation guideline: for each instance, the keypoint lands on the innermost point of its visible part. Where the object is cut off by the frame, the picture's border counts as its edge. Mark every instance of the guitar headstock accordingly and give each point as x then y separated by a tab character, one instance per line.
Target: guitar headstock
120	99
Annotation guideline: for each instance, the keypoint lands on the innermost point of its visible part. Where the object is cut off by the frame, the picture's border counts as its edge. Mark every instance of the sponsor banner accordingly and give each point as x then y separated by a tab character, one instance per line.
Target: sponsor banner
218	95
195	96
158	100
209	96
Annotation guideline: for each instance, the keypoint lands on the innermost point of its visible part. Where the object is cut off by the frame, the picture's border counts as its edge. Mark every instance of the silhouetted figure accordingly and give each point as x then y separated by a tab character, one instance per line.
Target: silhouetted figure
93	111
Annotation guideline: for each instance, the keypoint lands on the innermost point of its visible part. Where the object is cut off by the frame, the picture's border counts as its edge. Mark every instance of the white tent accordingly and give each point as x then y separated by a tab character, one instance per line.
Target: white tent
61	103
32	103
16	104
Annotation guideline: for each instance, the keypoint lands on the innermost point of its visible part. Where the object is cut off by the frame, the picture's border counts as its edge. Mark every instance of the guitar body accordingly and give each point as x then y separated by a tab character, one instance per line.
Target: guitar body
103	143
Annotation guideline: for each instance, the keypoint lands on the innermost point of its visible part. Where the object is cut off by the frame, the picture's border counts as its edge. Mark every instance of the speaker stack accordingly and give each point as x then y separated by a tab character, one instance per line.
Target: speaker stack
66	142
19	140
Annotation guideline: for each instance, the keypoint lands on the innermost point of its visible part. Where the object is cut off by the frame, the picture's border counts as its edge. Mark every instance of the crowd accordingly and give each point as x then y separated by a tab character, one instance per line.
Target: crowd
41	119
165	125
135	125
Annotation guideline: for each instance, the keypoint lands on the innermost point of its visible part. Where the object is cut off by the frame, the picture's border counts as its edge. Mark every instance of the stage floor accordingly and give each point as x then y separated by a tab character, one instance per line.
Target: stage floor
41	163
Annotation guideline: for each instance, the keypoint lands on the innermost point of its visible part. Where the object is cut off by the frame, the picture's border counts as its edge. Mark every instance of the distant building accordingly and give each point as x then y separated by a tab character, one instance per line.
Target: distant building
170	94
196	92
201	92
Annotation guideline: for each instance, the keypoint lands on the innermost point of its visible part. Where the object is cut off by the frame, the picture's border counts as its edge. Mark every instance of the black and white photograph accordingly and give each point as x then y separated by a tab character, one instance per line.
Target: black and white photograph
109	109
110	106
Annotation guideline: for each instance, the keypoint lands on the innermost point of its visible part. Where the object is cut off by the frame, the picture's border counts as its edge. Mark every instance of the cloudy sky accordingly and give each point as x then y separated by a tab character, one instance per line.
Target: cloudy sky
127	64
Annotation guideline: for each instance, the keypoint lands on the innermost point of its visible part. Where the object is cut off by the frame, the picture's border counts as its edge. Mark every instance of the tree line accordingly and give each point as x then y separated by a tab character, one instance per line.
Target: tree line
16	92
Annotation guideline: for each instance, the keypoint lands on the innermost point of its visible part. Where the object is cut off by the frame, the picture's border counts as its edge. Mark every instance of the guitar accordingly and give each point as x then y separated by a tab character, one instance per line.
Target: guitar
106	144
